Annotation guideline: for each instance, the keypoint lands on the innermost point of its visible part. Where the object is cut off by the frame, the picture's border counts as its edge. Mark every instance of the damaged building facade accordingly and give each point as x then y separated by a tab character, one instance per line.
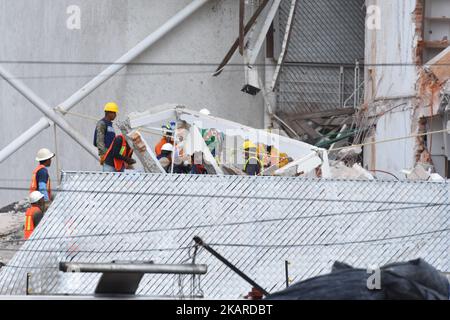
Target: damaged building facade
406	89
335	73
370	73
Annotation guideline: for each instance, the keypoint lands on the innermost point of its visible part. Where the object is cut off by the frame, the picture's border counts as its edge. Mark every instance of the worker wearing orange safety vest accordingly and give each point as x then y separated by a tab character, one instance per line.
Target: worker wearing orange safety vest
167	137
118	156
34	214
40	179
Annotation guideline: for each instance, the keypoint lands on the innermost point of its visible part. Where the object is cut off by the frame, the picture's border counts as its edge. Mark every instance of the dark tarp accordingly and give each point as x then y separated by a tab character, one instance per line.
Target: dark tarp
413	280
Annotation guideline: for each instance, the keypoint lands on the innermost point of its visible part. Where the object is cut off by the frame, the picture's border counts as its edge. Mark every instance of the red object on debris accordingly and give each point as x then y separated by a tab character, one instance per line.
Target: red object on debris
255	294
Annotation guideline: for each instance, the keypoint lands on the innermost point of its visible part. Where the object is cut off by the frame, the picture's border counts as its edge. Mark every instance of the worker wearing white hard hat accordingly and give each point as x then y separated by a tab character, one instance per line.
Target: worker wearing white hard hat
40	179
34	214
165	157
205	111
35	197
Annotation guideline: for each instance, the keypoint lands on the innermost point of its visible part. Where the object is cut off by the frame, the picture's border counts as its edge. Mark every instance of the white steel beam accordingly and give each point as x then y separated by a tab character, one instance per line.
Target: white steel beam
131	55
13	146
48	111
287	36
253	52
108	73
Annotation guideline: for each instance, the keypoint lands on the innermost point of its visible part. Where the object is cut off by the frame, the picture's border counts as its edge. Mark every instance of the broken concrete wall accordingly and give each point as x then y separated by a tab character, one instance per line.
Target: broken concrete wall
391	76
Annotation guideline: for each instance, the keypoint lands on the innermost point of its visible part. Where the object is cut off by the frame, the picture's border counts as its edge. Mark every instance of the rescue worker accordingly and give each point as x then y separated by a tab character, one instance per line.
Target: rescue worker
253	165
165	157
40	179
104	131
118	156
198	164
34	214
167	137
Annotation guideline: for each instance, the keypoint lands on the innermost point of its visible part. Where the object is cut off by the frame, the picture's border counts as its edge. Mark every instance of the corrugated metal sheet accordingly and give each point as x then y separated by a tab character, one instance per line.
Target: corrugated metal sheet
326	32
255	222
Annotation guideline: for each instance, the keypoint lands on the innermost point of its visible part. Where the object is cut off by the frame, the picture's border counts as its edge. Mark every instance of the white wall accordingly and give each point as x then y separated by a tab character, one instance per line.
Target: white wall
390	51
390	59
36	31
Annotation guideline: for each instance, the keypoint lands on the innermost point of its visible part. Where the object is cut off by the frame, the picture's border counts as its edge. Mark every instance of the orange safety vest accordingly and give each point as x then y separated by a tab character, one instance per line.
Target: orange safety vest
29	224
119	164
34	184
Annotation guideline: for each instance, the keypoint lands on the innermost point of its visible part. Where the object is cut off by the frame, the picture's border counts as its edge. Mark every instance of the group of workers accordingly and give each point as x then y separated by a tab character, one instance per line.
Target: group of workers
116	155
173	158
261	157
40	192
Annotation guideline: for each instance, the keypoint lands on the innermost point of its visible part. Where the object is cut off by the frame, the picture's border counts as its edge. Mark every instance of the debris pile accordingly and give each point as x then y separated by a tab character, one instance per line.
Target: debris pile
340	171
12	218
422	172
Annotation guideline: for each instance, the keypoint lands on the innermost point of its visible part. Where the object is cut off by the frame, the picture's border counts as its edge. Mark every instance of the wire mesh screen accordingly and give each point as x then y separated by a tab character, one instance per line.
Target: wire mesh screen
326	34
309	89
255	222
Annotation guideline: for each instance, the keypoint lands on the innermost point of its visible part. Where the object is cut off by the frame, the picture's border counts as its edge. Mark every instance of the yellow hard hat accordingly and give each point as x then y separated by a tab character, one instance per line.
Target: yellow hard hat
248	145
111	107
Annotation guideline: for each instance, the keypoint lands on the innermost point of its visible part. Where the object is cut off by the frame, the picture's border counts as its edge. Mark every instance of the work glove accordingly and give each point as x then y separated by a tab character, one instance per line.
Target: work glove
130	161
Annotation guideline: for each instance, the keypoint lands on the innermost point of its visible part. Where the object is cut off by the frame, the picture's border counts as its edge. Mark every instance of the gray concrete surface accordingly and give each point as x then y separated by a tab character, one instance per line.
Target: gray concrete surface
36	31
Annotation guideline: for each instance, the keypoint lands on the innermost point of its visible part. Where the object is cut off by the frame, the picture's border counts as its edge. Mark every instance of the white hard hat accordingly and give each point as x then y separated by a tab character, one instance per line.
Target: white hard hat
35	196
44	154
167	147
205	112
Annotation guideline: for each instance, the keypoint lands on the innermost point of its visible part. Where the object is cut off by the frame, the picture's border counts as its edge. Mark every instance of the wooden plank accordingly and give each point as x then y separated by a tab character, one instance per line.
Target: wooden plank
235	45
316	115
304	125
241	26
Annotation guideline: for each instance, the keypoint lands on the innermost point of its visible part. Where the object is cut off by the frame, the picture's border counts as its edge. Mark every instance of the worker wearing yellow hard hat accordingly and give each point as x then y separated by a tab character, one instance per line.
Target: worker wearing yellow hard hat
248	145
253	165
111	107
104	130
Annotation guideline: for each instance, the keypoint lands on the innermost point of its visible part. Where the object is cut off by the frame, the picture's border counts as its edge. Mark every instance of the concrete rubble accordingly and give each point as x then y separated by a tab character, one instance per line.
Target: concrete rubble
422	172
340	171
12	218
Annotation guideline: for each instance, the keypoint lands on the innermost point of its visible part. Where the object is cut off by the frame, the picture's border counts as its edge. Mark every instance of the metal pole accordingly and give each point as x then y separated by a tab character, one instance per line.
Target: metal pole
107	73
285	45
356	97
48	111
286	271
28	290
131	55
341	87
445	121
13	146
200	242
133	268
57	157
